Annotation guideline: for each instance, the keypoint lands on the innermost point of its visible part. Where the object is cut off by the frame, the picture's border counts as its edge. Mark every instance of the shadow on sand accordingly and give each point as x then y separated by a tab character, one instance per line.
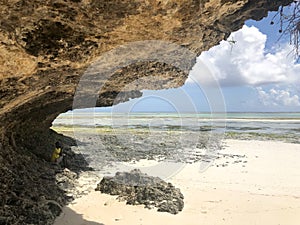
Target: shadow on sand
70	217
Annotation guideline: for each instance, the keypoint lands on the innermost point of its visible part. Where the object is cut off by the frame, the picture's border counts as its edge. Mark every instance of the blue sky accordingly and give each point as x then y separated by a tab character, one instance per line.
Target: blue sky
257	73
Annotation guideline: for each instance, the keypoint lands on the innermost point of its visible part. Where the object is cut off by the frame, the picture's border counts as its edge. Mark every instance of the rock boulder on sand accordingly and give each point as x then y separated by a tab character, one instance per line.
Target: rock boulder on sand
136	188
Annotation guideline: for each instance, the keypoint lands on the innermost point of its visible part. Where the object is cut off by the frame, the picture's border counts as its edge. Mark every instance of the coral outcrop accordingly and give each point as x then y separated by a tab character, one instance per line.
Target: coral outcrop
138	188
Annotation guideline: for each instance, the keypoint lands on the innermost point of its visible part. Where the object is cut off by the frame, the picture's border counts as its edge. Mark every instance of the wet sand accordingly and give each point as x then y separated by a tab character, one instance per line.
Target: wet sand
261	188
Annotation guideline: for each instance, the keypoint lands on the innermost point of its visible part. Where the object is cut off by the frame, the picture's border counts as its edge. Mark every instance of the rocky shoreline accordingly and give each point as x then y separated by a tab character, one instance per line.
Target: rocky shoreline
286	137
32	190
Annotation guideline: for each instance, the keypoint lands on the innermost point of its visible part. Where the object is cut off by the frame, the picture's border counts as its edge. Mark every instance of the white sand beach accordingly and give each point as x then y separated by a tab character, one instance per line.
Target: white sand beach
263	189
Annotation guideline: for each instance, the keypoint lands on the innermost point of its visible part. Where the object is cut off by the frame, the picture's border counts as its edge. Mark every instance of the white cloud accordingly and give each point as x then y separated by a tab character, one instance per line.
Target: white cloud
278	97
243	60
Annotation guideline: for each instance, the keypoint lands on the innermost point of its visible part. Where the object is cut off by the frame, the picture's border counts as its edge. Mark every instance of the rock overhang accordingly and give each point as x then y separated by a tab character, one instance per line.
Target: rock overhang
46	47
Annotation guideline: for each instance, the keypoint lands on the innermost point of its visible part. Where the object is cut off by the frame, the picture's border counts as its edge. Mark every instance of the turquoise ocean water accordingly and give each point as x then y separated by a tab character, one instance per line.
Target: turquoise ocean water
230	122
